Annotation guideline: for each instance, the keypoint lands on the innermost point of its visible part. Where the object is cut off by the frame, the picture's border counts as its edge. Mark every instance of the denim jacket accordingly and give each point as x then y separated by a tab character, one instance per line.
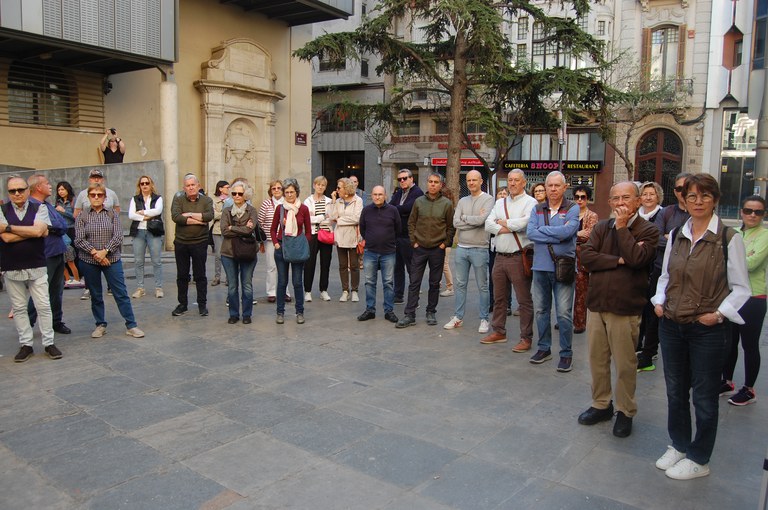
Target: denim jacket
560	233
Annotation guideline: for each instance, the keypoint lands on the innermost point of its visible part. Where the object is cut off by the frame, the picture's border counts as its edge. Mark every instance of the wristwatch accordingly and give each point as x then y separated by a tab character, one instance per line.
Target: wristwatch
8	228
720	317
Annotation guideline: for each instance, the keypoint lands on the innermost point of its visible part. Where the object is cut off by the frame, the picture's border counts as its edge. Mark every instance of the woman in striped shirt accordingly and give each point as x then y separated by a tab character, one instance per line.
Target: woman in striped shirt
318	205
266	213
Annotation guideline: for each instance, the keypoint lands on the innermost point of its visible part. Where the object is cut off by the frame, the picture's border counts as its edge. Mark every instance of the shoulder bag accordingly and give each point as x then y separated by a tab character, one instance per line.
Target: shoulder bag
244	247
325	236
295	248
526	253
565	266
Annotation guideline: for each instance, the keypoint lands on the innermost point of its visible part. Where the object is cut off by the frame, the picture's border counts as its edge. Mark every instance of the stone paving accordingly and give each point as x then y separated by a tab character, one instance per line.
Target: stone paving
332	414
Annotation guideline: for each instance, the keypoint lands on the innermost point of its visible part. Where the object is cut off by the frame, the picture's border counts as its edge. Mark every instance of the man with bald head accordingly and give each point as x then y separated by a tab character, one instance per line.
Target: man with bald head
472	250
379	226
618	255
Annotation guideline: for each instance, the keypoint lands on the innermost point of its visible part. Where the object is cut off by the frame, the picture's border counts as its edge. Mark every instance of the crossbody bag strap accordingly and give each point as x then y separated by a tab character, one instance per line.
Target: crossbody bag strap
517	239
549	246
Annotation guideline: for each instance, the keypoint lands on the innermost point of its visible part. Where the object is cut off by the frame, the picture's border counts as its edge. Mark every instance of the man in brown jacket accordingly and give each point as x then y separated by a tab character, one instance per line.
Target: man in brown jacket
618	255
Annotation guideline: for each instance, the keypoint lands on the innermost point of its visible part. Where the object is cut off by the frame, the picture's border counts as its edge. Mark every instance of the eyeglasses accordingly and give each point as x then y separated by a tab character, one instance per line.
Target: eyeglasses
95	195
580	197
276	188
540	191
401	179
693	197
679	189
757	212
17	191
145	183
237	193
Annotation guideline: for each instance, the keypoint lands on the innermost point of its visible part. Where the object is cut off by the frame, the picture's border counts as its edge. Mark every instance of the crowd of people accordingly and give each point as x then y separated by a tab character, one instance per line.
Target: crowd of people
688	284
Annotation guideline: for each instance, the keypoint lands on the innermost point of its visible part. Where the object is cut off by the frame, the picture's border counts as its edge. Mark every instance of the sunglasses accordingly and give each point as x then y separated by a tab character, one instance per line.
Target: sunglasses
145	183
95	195
276	189
679	189
757	212
581	197
237	193
401	179
17	191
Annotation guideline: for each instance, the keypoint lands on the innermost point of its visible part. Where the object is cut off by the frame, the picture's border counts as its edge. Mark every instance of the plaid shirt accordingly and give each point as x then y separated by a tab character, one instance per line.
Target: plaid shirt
98	230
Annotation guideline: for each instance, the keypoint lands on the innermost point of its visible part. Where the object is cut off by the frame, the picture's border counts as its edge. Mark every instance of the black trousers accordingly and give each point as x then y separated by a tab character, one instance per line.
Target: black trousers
55	266
326	251
403	257
194	255
423	257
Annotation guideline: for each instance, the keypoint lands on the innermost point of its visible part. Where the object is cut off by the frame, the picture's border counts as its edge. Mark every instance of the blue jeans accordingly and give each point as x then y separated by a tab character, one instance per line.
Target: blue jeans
544	286
116	281
140	242
693	357
297	275
477	258
239	273
372	264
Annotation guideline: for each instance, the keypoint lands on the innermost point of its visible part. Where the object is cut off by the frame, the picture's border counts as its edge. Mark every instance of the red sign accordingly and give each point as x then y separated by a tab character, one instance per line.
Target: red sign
300	138
464	162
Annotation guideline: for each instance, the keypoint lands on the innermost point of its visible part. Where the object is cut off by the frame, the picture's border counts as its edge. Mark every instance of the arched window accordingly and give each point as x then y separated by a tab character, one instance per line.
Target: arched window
659	159
39	95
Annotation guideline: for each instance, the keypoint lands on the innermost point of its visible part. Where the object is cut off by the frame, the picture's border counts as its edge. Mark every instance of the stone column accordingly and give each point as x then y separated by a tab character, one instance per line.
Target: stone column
169	148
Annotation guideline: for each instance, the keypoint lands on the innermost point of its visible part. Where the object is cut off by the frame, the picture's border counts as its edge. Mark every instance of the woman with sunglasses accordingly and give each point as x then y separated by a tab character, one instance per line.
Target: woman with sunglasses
753	312
219	197
146	204
239	219
587	220
703	285
99	239
266	213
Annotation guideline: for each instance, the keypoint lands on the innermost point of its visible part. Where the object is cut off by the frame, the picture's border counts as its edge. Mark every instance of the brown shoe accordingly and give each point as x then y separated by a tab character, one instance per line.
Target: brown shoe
523	346
494	338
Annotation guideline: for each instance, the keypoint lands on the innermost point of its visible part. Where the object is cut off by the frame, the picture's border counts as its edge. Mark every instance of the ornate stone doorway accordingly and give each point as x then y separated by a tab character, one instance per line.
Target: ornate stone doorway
238	104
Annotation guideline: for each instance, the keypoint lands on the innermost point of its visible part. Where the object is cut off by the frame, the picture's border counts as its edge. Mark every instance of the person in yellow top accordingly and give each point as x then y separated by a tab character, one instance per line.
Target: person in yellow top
753	312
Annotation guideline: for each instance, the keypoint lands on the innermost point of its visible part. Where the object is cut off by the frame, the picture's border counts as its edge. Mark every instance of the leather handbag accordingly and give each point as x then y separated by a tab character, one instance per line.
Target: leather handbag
155	226
325	236
244	248
527	257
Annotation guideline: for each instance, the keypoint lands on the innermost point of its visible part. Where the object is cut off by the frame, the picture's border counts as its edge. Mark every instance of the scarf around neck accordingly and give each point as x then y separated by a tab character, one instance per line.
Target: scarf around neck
291	227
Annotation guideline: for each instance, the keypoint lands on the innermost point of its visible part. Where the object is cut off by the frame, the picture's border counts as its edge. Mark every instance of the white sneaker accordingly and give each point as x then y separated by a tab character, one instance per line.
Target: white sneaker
344	296
86	295
669	459
687	469
307	297
454	323
484	326
355	297
135	333
325	296
159	292
447	293
139	293
99	332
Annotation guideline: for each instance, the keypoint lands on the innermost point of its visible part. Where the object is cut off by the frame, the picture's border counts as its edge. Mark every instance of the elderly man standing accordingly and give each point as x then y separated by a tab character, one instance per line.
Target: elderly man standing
39	191
508	221
552	228
403	198
379	226
431	230
618	255
23	227
472	251
191	212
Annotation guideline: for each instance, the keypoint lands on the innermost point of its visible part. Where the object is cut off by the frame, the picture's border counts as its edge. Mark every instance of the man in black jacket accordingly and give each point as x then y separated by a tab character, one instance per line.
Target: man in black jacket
403	198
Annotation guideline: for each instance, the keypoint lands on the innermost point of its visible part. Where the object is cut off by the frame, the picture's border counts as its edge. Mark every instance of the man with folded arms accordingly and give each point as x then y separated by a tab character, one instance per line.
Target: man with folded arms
618	256
508	221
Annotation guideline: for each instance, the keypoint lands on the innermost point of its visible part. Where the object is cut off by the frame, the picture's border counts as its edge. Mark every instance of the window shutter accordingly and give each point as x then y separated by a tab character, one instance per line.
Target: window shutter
683	36
645	59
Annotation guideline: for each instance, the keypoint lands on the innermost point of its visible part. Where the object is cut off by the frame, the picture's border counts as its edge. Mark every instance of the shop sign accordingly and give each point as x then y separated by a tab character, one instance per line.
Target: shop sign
464	162
548	166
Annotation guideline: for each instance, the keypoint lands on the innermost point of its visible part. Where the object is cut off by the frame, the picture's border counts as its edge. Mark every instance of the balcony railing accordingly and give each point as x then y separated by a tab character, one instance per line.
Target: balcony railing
668	90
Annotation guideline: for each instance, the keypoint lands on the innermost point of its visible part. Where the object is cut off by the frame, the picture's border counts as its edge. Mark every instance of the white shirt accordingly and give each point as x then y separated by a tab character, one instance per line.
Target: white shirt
151	211
519	209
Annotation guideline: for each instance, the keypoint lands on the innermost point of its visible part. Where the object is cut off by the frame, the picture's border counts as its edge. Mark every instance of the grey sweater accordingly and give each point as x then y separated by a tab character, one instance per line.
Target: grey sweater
469	220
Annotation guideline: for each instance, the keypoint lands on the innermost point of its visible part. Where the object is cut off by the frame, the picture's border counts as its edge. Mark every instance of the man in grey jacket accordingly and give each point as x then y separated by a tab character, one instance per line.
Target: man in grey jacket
472	250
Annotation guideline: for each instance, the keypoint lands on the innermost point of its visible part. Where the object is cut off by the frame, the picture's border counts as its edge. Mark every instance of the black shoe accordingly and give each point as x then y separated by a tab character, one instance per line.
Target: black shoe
431	319
203	311
623	425
405	322
391	317
288	299
645	363
366	315
578	331
233	320
53	352
594	415
246	320
24	354
399	301
63	329
540	357
179	310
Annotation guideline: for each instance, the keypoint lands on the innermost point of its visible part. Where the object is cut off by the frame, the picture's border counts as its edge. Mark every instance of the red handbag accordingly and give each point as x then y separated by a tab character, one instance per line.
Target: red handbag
325	236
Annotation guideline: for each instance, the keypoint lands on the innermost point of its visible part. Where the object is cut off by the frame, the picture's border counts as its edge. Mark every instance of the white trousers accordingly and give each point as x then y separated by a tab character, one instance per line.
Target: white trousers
38	289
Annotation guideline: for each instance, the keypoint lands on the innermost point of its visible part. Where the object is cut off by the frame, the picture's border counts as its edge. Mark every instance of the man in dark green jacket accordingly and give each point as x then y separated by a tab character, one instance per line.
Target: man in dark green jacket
430	228
191	212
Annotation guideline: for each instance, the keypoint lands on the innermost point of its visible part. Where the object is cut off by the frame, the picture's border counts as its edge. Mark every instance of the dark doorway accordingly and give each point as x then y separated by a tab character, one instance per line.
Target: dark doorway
343	164
659	159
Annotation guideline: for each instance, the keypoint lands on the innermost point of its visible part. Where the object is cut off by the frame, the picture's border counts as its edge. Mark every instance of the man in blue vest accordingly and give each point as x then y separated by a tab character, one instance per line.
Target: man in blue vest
23	227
